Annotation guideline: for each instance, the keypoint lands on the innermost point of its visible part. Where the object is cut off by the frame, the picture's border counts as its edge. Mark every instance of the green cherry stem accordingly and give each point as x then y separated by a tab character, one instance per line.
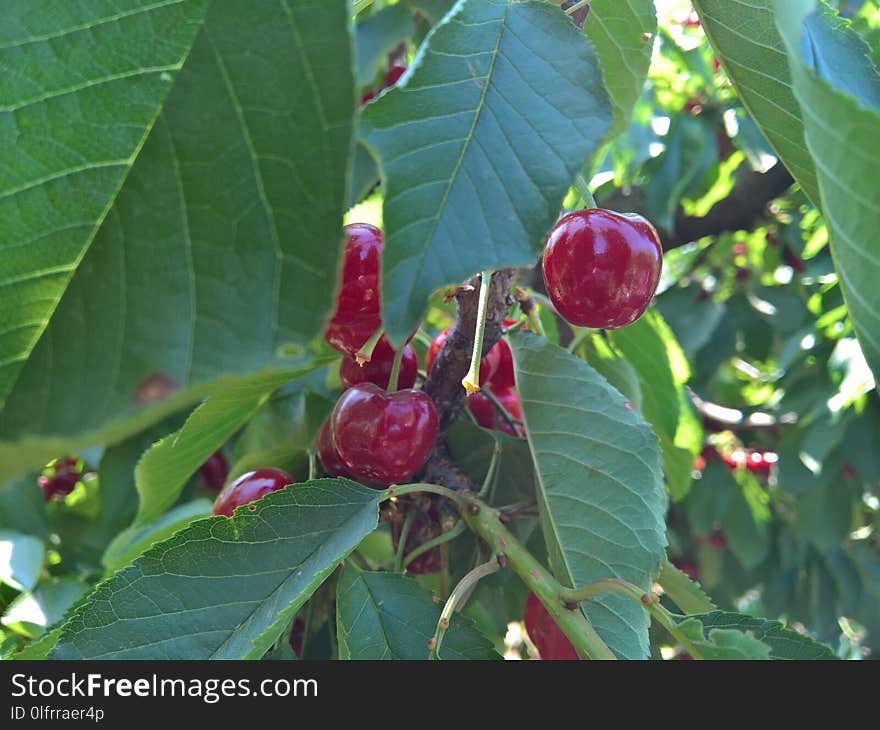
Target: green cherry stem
401	543
361	5
577	6
457	598
365	354
471	381
420	488
447	536
583	188
490	473
395	371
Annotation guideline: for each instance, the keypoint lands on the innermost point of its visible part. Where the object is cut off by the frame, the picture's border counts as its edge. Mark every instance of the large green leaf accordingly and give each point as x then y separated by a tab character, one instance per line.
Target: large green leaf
164	470
838	88
622	32
390	616
478	145
73	120
224	588
221	247
744	35
600	484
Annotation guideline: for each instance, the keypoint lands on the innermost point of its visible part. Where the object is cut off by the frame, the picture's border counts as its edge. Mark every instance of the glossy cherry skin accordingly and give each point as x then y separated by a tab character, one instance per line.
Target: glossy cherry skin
487	415
326	449
544	633
60	478
503	376
249	487
383	437
214	471
357	313
488	365
602	268
378	369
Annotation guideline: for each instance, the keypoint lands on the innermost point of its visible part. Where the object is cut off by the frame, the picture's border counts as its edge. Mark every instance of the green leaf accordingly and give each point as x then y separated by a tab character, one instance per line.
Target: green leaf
502	106
221	247
716	644
617	28
134	541
22	507
21	560
390	616
31	614
377	35
783	643
600	484
838	89
685	593
74	121
751	50
746	523
164	470
224	588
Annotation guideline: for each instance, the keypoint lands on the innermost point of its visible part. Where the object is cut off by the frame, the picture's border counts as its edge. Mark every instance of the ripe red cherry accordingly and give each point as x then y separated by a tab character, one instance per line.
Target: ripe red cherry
357	313
544	633
394	74
326	449
602	268
60	477
383	437
214	471
503	376
689	569
488	365
249	487
378	370
487	415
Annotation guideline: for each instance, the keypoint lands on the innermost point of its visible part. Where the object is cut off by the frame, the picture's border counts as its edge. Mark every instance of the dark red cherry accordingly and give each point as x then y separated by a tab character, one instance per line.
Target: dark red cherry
488	365
689	569
394	74
367	97
378	369
214	471
250	487
383	437
357	313
503	376
602	268
544	633
60	477
487	415
326	449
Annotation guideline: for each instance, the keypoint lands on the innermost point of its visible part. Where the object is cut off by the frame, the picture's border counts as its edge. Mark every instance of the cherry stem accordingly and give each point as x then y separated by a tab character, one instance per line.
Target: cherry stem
421	488
490	474
401	542
484	521
457	599
577	6
361	5
646	600
583	188
365	354
424	337
471	381
395	370
511	421
313	466
447	536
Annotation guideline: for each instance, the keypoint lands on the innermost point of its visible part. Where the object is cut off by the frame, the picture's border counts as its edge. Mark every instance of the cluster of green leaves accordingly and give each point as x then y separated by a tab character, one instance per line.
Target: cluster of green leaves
187	253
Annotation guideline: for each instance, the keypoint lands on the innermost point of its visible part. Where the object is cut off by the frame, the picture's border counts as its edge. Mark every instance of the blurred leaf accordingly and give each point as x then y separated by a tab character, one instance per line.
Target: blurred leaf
692	316
390	616
600	488
503	105
377	35
32	613
21	560
224	588
163	470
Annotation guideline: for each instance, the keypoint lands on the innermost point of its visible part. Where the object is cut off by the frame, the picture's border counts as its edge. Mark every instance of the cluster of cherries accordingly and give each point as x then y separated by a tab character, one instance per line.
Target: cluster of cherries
760	463
60	477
